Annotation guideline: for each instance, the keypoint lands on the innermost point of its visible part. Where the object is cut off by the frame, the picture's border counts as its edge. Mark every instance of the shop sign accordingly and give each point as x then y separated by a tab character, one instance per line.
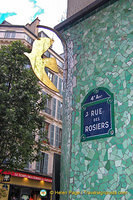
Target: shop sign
24	175
38	178
43	193
97	115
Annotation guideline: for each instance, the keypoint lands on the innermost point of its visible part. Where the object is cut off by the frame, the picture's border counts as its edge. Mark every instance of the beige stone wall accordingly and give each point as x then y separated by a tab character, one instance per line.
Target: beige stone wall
33	26
75	6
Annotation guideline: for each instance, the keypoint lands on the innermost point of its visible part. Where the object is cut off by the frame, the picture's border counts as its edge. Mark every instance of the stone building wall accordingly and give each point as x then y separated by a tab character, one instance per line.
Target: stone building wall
75	6
100	54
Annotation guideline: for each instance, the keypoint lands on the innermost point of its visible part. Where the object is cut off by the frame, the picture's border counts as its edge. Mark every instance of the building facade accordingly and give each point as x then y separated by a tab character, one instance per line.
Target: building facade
99	42
37	175
75	6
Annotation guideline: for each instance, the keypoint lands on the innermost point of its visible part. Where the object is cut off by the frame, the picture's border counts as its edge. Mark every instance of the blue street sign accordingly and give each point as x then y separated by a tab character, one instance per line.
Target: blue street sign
97	115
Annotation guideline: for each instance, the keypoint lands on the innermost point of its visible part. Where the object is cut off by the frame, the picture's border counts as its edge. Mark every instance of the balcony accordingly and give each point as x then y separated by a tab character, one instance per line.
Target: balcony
16	36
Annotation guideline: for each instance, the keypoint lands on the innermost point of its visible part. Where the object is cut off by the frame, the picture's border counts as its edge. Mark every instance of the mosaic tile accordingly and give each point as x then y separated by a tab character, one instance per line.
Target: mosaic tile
100	54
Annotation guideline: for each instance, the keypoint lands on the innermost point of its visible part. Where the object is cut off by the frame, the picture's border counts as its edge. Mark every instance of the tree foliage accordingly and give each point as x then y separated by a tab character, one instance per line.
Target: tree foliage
20	103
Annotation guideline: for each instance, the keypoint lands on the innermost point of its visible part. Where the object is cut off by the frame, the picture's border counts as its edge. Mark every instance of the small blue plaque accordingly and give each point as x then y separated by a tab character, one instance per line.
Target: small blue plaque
97	115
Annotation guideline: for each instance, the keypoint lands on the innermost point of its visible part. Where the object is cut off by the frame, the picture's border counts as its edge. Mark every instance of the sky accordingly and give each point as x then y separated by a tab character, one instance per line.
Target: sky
21	12
50	12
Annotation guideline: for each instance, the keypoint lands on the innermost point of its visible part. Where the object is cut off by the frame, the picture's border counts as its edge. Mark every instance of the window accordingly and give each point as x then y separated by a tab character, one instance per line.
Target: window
48	103
46	131
42	127
48	106
52	134
10	34
55	81
59	63
29	39
42	165
46	126
58	137
47	54
45	168
52	77
50	74
38	166
27	166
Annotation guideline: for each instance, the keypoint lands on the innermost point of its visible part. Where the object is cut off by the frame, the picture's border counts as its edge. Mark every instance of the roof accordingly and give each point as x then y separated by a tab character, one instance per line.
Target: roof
5	23
82	14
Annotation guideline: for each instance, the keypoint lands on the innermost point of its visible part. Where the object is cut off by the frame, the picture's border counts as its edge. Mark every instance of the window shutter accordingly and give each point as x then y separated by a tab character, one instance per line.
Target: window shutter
41	163
60	136
58	110
38	166
57	137
47	54
13	34
46	70
48	106
7	34
46	129
60	86
61	111
55	80
54	107
45	166
27	165
52	135
42	130
44	93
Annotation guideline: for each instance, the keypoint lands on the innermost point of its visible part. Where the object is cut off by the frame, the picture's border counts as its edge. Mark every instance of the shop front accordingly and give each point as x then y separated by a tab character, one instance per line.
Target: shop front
25	186
26	193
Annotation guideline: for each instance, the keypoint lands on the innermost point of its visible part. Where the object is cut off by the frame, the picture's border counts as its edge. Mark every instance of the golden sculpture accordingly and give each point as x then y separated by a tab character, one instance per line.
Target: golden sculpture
38	63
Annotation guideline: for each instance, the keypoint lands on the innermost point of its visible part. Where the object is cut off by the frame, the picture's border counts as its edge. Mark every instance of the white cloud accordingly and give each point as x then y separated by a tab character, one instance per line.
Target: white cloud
25	10
53	11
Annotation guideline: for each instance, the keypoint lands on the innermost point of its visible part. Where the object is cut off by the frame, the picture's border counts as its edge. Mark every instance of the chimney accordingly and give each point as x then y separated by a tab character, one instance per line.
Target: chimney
33	26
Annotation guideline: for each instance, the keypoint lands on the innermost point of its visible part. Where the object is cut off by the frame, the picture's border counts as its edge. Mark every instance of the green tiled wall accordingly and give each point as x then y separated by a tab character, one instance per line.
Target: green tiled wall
100	54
